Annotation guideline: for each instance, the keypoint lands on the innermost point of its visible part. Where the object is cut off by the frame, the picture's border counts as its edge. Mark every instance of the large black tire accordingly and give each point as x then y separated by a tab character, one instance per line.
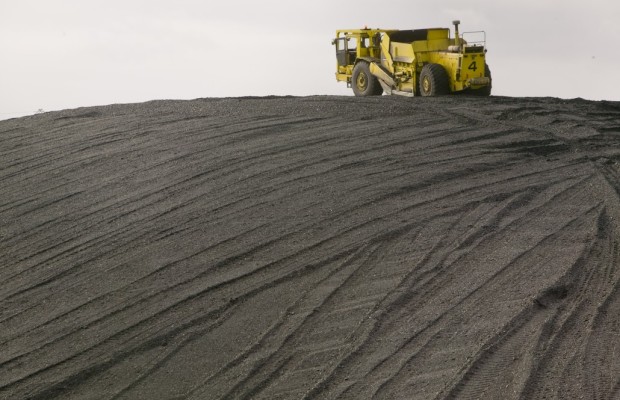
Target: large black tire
433	81
485	91
363	82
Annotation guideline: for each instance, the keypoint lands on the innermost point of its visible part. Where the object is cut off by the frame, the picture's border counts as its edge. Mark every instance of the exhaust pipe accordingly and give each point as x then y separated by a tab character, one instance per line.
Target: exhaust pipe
457	38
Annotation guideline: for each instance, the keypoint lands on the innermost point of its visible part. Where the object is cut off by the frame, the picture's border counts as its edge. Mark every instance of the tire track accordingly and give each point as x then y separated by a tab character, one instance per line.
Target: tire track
425	324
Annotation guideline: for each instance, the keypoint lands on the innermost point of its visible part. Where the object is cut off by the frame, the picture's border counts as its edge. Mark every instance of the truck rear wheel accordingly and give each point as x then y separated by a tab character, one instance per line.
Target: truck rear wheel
363	82
434	80
485	91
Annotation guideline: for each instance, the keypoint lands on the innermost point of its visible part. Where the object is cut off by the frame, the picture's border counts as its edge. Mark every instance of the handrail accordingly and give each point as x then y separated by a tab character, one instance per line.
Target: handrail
482	42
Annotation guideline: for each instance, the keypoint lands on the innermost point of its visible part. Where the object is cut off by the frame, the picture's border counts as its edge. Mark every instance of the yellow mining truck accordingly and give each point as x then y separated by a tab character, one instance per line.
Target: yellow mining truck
426	62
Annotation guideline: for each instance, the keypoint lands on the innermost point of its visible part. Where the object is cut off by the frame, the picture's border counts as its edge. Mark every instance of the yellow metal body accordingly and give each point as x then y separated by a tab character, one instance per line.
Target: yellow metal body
396	58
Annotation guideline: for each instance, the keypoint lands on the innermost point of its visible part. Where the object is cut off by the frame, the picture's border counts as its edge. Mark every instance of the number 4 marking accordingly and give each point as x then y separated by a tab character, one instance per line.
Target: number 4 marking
473	66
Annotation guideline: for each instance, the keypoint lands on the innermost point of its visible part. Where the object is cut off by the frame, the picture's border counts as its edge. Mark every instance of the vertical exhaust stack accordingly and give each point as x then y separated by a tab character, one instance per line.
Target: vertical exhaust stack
457	38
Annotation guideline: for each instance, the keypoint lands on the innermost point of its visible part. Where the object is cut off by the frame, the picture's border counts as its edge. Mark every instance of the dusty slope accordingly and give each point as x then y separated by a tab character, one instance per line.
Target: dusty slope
323	247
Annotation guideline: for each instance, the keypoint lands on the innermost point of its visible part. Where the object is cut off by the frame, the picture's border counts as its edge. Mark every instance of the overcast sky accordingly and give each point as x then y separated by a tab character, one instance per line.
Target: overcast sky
58	54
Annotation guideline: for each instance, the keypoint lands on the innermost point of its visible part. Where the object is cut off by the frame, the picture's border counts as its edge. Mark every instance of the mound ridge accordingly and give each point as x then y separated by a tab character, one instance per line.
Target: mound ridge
312	247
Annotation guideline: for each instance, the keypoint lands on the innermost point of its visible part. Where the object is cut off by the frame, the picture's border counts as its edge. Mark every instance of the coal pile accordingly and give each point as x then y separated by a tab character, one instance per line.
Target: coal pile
312	247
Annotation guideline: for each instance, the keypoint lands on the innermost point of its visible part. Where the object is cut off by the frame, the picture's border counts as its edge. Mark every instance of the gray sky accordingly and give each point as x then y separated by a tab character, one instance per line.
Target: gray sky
60	54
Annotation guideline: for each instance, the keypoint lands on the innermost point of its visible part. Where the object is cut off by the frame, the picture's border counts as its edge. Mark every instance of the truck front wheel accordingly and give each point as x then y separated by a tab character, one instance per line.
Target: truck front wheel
434	80
363	82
